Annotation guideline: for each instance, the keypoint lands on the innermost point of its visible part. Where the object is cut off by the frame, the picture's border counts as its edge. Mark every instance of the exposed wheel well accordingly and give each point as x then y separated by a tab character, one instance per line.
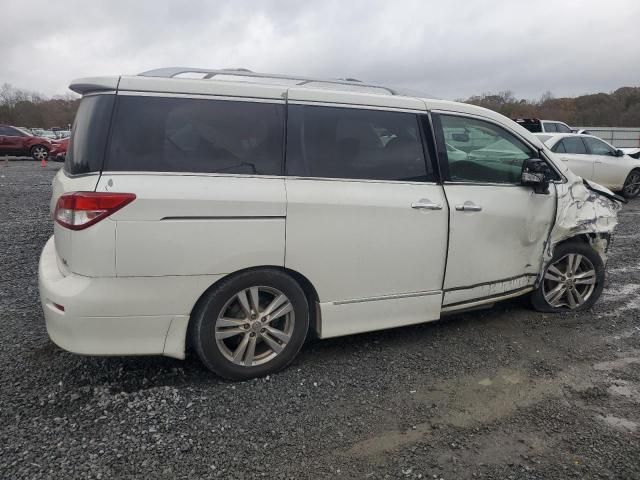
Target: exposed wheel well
583	238
306	285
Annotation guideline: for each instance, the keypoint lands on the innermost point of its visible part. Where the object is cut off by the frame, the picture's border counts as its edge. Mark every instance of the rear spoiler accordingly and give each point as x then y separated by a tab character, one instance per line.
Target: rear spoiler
94	84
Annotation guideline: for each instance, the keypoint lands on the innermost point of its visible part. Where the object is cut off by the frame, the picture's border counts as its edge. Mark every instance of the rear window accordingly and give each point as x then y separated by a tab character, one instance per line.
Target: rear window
89	135
196	135
559	147
574	145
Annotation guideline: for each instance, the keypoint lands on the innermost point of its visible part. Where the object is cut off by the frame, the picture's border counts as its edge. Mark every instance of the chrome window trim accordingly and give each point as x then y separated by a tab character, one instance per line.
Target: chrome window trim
135	93
358	106
271	177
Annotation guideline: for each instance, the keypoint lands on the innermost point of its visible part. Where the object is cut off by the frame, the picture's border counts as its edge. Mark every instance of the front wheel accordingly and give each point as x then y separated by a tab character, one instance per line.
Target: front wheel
631	187
251	324
573	280
39	153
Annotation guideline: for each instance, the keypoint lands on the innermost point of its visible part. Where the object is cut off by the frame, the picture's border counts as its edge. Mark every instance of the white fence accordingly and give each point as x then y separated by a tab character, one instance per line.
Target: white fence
620	137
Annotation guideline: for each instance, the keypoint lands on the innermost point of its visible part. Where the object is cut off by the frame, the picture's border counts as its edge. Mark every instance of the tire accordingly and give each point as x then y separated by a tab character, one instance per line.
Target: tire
631	187
237	341
39	152
575	267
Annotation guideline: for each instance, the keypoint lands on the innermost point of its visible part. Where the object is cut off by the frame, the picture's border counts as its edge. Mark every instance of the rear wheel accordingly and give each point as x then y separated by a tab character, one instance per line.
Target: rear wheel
631	187
573	280
251	325
39	152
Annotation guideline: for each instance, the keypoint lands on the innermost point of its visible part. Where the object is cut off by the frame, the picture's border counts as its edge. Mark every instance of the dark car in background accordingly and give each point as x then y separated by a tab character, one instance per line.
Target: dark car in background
535	125
15	141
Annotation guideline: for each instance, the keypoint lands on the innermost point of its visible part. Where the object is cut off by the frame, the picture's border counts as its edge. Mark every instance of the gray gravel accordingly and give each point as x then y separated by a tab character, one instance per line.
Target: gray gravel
503	393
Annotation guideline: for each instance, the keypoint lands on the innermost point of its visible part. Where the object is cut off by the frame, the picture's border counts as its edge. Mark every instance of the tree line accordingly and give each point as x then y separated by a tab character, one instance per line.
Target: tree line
620	108
23	108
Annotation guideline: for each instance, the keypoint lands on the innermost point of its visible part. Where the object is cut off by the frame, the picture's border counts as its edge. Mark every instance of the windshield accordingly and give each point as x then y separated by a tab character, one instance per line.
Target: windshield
25	131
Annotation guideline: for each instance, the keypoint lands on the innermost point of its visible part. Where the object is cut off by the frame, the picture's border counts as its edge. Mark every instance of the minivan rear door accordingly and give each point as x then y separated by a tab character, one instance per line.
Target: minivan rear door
366	219
91	251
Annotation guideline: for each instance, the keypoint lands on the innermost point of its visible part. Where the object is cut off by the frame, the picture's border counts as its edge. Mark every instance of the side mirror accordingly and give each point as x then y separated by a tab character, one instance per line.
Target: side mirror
619	153
536	174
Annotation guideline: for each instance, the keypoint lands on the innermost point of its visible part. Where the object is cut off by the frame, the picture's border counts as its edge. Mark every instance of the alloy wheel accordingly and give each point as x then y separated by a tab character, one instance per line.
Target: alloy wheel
254	326
40	153
632	185
569	282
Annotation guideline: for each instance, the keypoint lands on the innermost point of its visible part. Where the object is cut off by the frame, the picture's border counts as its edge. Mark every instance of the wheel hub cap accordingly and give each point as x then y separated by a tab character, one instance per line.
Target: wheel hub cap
254	326
569	282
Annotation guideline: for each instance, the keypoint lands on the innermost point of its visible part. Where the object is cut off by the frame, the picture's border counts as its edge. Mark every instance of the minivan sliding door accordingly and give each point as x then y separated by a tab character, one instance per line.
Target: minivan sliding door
366	220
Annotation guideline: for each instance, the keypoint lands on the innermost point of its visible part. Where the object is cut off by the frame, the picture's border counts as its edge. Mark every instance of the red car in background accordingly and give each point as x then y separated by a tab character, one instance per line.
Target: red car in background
59	149
16	141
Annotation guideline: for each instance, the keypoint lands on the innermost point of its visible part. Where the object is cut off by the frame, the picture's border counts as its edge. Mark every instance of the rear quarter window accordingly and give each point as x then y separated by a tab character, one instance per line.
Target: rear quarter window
87	144
167	134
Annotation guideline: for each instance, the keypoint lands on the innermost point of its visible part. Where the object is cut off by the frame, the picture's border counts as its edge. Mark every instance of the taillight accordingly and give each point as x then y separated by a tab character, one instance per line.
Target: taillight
79	210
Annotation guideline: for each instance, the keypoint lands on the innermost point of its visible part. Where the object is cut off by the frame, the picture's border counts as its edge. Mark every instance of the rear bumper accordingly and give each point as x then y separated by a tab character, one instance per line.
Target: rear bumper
116	316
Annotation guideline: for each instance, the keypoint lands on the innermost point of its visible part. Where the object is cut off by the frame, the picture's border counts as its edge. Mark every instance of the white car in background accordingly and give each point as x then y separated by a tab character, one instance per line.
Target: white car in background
594	159
632	152
39	132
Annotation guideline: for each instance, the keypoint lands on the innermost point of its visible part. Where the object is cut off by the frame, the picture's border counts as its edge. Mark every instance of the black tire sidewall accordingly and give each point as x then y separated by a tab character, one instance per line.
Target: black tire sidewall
203	332
537	298
624	193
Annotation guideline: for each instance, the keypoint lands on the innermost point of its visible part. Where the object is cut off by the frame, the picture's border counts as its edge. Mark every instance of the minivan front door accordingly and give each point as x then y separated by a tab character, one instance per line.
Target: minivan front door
366	220
497	227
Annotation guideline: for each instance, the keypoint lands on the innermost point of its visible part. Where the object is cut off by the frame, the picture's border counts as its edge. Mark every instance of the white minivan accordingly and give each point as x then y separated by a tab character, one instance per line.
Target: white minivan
233	213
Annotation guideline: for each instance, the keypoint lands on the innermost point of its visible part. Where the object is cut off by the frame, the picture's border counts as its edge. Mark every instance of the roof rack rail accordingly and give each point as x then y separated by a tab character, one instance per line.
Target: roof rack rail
171	72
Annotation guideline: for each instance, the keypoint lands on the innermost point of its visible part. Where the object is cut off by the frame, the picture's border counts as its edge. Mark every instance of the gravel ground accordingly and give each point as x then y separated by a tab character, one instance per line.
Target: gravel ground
503	393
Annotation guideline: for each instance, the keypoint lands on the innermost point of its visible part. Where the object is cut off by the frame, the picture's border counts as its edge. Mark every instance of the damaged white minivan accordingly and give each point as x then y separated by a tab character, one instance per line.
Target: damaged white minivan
233	213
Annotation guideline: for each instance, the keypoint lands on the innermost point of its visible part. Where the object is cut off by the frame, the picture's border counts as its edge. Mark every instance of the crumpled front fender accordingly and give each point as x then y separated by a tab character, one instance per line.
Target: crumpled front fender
583	211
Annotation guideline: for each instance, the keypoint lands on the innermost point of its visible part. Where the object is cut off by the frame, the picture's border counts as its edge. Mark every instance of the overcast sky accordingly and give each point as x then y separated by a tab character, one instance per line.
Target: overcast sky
447	48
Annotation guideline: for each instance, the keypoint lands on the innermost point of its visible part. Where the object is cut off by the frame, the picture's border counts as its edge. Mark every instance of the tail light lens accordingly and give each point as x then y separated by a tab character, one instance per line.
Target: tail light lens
79	210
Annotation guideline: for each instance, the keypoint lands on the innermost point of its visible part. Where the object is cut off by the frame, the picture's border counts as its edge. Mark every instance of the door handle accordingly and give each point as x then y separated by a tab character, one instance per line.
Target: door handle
426	204
468	207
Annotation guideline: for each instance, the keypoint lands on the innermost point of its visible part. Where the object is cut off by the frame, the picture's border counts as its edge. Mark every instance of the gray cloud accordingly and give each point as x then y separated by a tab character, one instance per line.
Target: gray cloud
450	49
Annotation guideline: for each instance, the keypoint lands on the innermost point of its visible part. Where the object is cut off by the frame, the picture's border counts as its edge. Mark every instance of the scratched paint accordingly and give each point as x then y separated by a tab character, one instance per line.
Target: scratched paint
581	211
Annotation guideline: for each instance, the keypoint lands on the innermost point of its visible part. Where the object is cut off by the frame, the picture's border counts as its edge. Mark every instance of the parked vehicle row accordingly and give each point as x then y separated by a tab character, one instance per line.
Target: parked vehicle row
594	159
52	134
249	213
17	141
21	142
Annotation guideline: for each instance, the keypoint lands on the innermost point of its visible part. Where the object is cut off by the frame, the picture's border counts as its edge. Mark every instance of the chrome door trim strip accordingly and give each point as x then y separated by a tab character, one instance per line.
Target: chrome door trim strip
486	300
389	297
